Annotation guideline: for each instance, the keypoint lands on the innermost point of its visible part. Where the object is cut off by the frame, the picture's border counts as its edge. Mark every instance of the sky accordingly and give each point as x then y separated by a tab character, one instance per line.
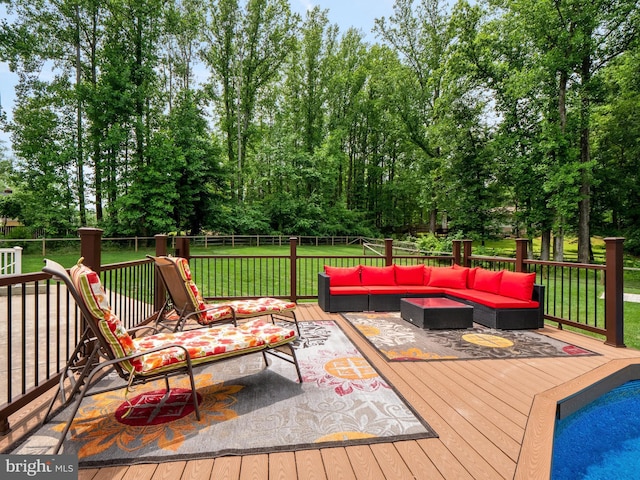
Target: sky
360	14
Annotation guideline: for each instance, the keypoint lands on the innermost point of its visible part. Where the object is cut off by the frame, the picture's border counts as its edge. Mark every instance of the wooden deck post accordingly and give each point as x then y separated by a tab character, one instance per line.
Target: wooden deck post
91	248
293	268
521	254
182	248
159	293
614	292
457	252
388	251
466	249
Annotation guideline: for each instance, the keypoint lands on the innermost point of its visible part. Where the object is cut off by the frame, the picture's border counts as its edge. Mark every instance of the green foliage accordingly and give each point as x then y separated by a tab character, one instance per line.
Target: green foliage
435	244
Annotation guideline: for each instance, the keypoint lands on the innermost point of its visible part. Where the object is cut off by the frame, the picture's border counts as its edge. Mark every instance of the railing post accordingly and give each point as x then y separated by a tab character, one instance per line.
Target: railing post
388	251
456	251
159	293
614	292
521	254
466	248
182	248
91	247
17	260
293	268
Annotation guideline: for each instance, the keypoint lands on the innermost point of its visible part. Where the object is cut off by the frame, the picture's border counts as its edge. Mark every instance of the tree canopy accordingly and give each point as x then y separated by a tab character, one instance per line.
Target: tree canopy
239	116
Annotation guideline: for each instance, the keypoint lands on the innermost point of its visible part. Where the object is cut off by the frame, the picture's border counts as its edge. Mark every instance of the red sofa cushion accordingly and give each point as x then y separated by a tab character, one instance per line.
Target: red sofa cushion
427	275
424	290
343	276
387	289
448	277
377	275
487	280
517	285
409	274
348	290
471	277
492	300
471	274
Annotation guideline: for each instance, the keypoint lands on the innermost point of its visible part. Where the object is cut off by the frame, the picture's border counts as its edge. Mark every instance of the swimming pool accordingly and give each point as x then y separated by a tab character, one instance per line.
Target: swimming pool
602	439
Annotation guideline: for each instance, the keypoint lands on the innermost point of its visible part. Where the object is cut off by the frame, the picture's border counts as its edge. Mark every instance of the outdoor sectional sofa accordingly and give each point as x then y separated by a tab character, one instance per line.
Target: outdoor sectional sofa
500	299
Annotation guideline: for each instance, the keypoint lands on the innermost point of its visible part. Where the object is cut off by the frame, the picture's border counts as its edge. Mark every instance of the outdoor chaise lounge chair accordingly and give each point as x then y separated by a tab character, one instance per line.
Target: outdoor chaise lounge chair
187	303
107	343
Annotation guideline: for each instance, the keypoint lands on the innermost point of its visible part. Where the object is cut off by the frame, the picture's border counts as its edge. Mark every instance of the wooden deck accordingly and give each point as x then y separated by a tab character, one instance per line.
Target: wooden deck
481	410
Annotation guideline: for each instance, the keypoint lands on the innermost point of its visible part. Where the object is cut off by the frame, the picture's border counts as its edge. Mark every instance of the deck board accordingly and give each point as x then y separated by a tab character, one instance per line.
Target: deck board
479	408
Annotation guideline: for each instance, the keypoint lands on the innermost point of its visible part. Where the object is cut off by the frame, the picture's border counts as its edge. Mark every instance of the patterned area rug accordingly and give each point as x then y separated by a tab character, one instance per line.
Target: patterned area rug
399	340
245	409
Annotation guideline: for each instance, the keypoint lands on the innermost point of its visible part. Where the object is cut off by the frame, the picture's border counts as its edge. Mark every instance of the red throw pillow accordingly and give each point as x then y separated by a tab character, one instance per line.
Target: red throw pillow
517	285
427	275
471	273
343	276
378	275
409	274
471	277
487	280
448	277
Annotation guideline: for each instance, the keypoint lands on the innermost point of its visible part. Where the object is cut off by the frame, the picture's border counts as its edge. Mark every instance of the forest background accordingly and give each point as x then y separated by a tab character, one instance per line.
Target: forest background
497	112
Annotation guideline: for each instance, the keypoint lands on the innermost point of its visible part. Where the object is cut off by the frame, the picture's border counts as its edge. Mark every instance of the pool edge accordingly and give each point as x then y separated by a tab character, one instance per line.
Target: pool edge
534	461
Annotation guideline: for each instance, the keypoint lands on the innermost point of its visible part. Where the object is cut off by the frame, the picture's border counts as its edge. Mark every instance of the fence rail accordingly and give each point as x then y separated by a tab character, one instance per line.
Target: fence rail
40	325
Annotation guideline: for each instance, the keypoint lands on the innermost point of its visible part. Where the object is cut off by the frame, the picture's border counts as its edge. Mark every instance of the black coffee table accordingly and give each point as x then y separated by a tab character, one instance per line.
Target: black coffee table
436	313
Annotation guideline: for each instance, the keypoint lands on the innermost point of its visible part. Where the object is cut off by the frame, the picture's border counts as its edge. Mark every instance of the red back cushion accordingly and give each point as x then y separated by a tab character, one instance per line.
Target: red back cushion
409	274
378	275
448	277
471	273
487	280
517	285
471	277
343	276
427	275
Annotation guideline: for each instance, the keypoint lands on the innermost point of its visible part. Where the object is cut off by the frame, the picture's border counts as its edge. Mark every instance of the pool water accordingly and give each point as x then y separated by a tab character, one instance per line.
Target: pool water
600	440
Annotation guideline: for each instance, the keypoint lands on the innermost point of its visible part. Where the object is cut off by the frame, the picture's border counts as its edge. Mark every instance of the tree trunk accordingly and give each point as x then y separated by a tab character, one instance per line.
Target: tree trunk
545	245
584	206
433	220
79	127
558	246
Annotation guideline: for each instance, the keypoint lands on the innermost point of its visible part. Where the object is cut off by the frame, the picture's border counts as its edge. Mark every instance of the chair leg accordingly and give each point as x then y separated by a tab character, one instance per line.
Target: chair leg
295	361
68	374
291	314
281	355
76	406
194	393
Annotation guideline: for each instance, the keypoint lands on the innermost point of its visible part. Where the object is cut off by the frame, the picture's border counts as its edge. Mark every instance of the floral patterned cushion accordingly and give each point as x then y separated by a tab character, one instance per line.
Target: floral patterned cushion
260	306
210	313
202	344
88	284
213	313
272	335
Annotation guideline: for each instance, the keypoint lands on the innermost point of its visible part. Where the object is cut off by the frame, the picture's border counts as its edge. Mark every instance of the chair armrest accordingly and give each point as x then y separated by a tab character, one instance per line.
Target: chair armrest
538	296
324	295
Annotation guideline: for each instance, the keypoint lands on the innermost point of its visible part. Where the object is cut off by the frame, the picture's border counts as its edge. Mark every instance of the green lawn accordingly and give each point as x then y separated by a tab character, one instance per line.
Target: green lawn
34	262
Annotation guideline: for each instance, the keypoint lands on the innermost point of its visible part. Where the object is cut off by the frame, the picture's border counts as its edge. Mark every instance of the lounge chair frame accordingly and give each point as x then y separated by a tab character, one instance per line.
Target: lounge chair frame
93	354
181	307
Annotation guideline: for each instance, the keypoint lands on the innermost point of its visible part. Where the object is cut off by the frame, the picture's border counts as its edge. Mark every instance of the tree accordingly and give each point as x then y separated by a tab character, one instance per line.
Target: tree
245	50
616	151
568	42
422	37
44	190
